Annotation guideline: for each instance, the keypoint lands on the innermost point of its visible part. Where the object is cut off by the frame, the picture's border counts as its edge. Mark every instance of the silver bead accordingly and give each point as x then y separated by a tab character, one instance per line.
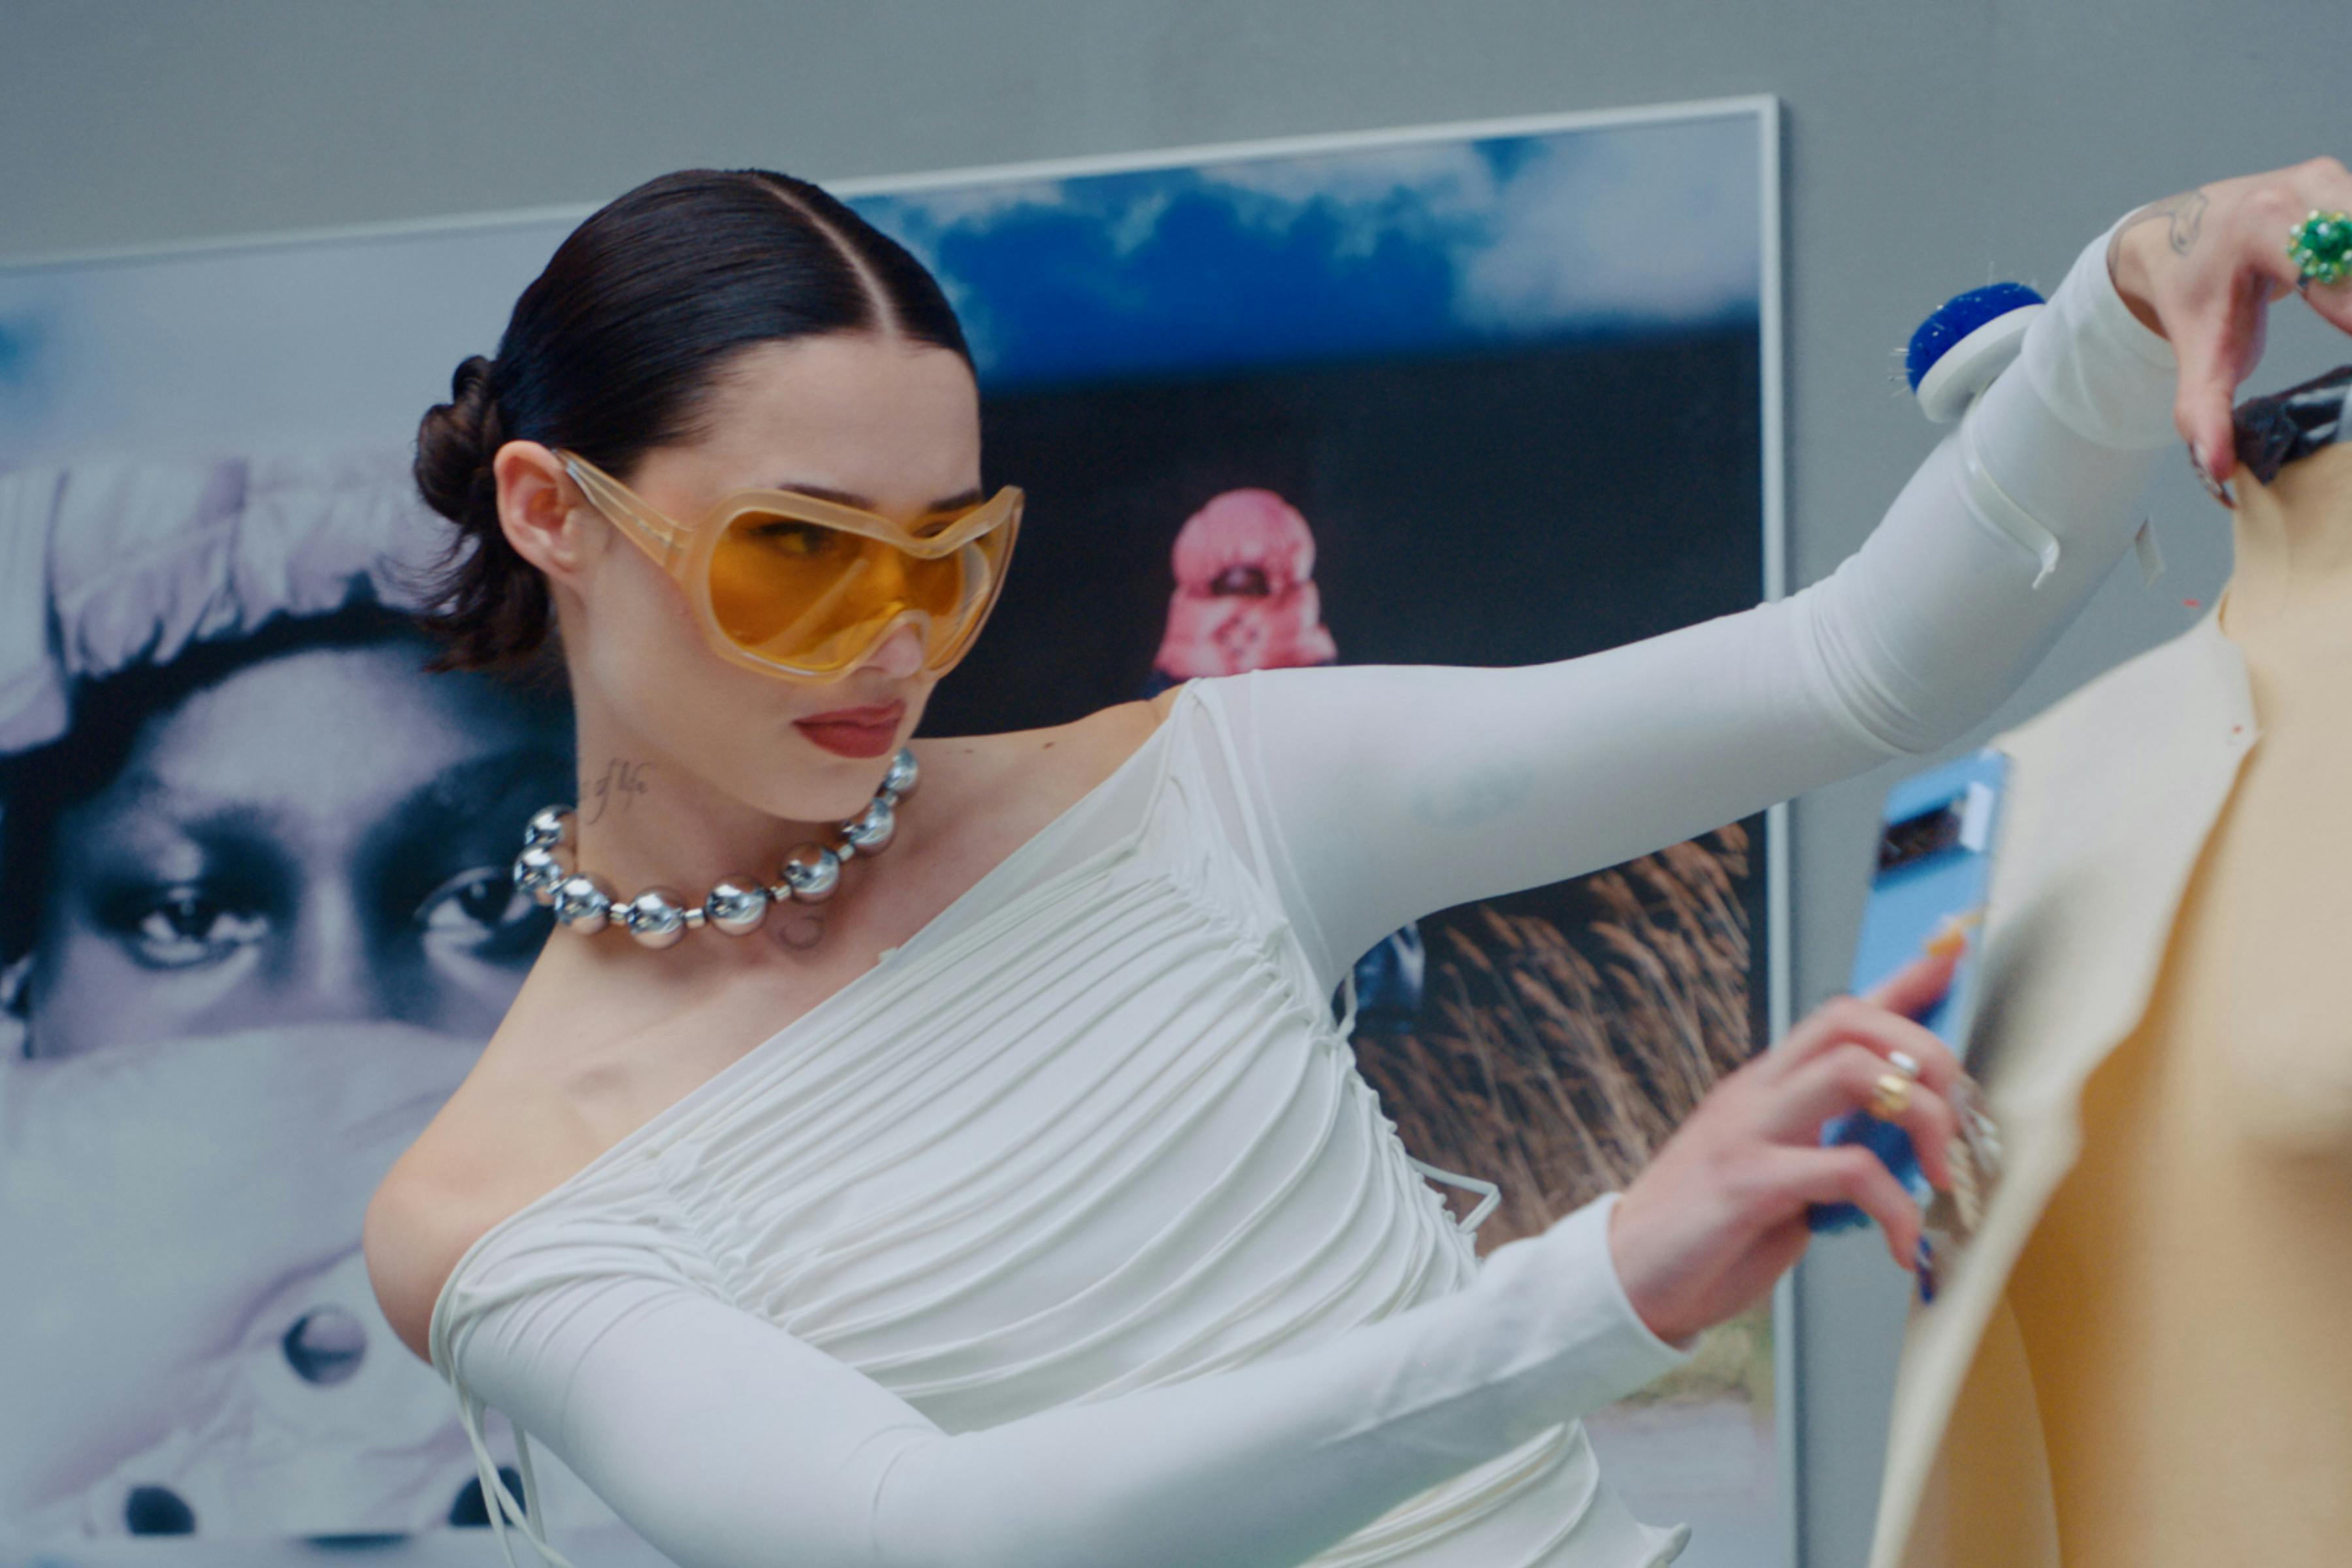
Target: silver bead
737	905
549	827
656	916
538	872
584	902
903	775
813	881
870	832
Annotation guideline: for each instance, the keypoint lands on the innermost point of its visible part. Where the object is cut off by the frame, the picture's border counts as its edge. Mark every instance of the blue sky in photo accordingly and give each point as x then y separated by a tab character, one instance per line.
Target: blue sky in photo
1426	248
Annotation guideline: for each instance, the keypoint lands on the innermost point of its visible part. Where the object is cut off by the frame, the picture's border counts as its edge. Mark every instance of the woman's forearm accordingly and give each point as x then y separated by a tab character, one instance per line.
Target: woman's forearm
723	1439
1398	790
1269	1464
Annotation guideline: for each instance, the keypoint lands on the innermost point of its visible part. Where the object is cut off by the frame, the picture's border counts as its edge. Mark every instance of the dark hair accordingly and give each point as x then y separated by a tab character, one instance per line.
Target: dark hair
614	349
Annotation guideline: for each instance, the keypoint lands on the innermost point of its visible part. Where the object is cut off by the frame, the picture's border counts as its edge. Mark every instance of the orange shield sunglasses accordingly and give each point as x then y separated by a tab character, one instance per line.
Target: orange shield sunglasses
803	587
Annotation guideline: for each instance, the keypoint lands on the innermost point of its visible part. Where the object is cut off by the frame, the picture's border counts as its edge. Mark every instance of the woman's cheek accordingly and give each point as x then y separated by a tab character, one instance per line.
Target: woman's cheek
88	990
465	984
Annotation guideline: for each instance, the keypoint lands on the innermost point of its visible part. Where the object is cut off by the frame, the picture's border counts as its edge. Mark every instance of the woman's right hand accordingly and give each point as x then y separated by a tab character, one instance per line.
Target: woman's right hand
2202	268
1720	1213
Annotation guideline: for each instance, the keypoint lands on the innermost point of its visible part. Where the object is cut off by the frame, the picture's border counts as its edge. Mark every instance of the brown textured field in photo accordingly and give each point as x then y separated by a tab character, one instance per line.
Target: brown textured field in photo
1554	1054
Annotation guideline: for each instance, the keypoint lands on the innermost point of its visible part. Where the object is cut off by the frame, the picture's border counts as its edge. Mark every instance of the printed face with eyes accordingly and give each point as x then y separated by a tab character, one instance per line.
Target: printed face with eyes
321	836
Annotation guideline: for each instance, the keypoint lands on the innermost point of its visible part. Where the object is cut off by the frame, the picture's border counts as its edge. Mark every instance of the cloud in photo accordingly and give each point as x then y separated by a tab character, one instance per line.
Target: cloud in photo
1420	249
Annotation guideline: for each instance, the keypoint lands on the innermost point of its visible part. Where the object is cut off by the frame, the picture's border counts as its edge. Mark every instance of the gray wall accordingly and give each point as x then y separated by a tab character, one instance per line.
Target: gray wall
1930	147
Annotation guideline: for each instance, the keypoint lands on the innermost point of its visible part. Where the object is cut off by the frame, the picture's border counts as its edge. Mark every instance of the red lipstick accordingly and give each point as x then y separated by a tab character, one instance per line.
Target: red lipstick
866	732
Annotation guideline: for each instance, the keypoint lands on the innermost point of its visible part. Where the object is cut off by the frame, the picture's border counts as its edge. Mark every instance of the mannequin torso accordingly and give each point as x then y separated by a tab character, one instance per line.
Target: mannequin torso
2181	1302
2164	1380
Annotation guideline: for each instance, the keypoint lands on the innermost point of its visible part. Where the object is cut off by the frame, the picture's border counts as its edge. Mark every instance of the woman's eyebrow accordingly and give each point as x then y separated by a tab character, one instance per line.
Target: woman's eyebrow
189	807
465	788
956	502
459	792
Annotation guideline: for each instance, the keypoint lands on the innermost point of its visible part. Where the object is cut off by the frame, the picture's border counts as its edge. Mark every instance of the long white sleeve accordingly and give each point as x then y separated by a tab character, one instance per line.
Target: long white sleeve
1394	791
726	1442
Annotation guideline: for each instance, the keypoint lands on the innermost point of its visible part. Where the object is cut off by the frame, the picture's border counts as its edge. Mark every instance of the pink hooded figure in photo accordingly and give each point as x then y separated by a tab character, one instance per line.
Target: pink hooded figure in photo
1244	593
1245	600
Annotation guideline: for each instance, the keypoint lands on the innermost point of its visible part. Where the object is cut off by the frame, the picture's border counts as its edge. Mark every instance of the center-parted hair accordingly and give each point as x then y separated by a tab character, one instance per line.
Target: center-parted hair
615	347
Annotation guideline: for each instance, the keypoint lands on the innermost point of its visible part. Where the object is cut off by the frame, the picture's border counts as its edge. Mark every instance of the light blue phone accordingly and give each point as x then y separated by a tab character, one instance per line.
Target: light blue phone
1934	867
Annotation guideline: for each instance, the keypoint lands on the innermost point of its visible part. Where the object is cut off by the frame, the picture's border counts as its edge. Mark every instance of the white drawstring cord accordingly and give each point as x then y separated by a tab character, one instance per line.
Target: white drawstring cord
501	1504
1469	1223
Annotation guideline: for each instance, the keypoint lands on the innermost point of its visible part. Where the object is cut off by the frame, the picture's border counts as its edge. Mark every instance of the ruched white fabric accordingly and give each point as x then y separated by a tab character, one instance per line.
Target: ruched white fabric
1069	1235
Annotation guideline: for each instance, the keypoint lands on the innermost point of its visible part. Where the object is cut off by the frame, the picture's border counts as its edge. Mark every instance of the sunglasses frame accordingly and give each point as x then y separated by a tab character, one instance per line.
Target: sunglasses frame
685	554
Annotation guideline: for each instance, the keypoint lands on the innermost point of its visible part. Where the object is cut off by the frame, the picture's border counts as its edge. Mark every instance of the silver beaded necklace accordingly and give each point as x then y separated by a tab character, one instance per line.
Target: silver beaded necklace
660	916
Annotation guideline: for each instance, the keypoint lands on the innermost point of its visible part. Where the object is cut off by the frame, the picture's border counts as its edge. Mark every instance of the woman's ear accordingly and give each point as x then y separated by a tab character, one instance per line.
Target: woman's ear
541	511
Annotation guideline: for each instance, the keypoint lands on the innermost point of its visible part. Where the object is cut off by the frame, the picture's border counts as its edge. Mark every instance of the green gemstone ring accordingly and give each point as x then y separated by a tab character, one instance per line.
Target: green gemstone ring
2321	245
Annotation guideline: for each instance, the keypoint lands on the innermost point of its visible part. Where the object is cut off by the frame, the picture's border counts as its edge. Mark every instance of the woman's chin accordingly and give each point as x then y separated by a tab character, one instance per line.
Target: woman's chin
830	791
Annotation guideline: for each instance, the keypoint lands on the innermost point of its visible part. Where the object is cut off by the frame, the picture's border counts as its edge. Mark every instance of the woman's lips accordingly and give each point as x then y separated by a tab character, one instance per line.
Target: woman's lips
854	732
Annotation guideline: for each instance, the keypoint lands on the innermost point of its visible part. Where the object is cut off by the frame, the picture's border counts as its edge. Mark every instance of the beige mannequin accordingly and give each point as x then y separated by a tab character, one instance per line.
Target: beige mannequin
2146	1357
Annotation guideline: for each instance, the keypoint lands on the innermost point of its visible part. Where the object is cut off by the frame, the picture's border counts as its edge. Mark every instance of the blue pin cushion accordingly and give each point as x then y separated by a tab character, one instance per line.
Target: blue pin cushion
1967	340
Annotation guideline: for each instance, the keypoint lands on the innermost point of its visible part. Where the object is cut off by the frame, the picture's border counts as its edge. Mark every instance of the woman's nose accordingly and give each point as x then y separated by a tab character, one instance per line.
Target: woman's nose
899	655
326	973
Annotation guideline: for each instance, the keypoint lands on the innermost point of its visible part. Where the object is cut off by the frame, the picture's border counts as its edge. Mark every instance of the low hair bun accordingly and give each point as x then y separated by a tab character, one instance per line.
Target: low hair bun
455	443
492	603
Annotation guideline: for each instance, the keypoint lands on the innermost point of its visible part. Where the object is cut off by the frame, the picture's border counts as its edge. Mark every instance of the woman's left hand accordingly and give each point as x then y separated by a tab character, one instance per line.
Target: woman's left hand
2202	268
1721	1211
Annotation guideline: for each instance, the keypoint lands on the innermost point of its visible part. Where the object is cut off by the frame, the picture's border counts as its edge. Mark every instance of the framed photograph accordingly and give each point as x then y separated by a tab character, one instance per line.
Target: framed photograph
1482	393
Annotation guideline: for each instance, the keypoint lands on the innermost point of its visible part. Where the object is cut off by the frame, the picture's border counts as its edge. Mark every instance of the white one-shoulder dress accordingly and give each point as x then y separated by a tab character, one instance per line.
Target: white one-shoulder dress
1069	1235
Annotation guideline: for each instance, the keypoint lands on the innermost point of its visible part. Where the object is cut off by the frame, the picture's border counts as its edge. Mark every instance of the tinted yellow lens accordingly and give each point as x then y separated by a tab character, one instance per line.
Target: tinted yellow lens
815	597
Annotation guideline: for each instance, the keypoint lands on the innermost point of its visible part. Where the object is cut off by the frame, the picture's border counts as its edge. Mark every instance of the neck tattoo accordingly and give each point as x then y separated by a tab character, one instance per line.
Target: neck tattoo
738	905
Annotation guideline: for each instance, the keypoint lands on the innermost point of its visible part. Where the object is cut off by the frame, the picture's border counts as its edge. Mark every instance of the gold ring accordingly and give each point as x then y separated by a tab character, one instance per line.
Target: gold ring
1893	1097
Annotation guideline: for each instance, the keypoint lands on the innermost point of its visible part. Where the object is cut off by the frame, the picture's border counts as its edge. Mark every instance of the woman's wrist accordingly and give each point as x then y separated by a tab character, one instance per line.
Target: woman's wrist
2094	363
1655	1319
1565	1280
2172	223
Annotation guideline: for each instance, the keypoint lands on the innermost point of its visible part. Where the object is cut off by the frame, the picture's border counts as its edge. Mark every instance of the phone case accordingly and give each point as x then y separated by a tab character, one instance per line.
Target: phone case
1934	867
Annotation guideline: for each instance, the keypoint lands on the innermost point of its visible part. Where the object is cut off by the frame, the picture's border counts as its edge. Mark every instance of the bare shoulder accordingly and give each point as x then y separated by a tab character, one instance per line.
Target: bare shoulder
1048	768
1108	736
471	1168
412	1241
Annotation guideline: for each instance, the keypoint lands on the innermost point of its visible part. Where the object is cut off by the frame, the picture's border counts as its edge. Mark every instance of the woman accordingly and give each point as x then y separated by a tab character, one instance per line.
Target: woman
174	875
1020	1204
255	924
